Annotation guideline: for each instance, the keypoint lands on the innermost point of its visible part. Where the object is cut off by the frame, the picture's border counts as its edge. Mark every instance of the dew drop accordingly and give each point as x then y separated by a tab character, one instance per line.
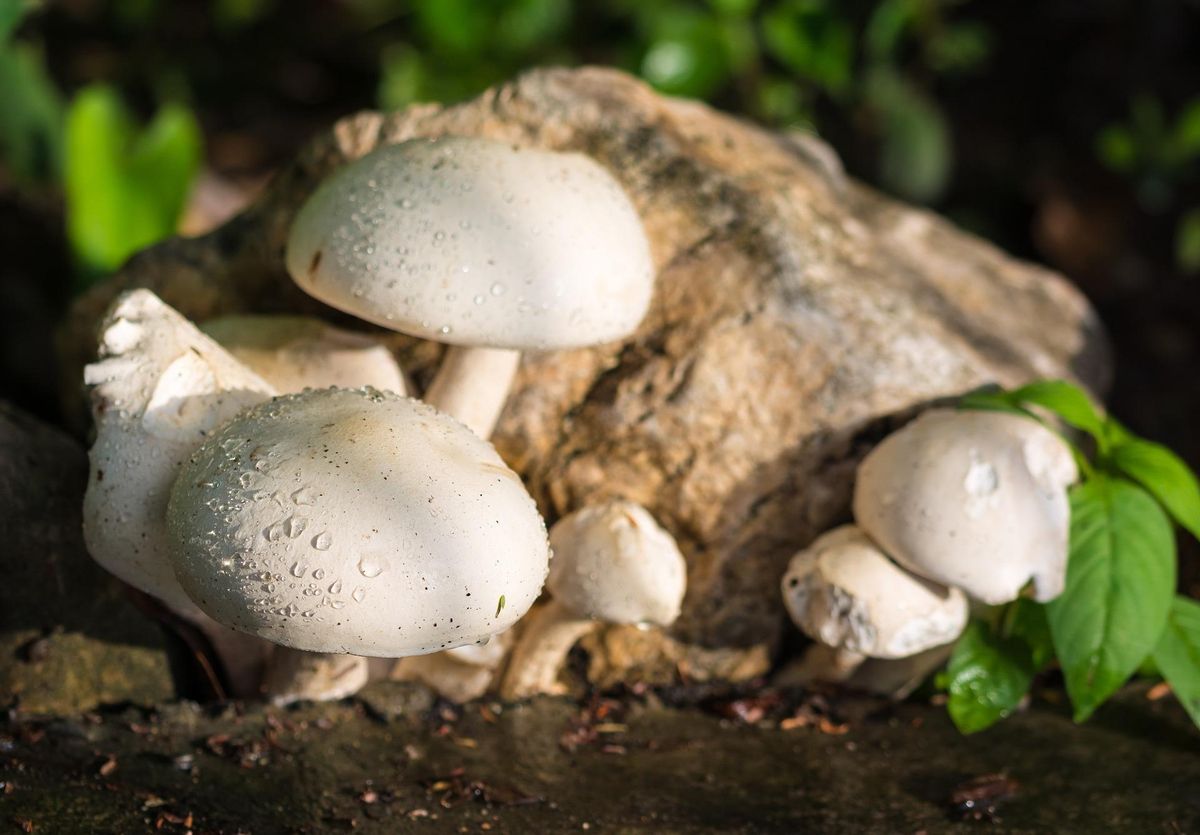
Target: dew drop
497	289
298	570
370	567
335	587
318	574
359	594
294	526
322	541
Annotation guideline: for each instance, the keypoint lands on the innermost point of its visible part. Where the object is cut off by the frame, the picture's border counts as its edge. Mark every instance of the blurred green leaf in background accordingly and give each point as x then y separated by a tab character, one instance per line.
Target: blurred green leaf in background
125	187
30	107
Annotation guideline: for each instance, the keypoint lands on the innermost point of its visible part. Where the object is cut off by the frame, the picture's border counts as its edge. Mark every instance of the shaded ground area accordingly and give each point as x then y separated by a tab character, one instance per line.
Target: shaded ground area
394	760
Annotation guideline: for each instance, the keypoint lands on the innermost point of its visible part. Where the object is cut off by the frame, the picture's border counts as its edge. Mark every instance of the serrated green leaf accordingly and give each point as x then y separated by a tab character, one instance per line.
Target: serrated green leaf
1164	474
1068	401
987	677
1177	655
1120	579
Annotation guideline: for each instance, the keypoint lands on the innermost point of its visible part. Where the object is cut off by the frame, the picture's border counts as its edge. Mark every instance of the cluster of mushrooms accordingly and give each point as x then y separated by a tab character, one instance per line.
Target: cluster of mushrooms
270	480
955	506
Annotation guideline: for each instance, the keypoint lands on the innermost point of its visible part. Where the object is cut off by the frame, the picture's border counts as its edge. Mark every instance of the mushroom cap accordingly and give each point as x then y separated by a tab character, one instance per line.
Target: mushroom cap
356	521
845	593
971	499
159	388
293	353
613	562
476	242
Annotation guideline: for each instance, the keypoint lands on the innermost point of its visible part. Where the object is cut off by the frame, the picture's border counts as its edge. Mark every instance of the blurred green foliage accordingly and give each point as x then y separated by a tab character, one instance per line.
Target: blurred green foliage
125	186
783	60
1161	156
30	107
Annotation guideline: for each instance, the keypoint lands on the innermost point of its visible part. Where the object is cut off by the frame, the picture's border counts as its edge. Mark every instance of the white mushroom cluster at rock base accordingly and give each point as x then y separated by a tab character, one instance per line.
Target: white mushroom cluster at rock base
956	504
336	522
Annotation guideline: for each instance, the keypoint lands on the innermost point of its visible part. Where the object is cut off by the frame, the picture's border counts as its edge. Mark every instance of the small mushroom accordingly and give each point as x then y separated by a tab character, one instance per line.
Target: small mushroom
460	674
612	563
971	499
355	521
844	593
293	676
293	353
157	390
484	246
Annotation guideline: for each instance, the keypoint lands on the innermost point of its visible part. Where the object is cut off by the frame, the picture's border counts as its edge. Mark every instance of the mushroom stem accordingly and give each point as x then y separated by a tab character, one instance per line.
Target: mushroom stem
293	675
243	657
829	664
541	651
472	385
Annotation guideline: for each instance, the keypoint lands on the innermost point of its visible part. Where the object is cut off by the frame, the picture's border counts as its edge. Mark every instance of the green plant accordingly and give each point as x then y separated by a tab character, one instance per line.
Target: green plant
1160	157
126	187
1118	610
30	107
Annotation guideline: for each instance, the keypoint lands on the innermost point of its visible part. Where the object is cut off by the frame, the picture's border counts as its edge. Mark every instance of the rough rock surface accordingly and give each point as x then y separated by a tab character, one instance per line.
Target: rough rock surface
798	315
69	637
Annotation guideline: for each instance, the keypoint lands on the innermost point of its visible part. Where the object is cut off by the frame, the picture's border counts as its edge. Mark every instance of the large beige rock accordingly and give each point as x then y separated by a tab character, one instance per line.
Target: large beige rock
798	316
69	637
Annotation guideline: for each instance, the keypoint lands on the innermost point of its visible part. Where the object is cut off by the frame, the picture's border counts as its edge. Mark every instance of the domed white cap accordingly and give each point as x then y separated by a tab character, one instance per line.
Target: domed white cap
476	242
159	388
356	521
971	499
612	562
845	593
293	353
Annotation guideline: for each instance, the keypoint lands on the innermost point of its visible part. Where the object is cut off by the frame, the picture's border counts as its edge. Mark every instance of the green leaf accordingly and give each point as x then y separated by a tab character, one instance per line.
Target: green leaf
992	400
1068	401
916	155
987	677
1120	578
886	26
1164	474
810	40
1186	135
31	119
1187	242
688	54
125	190
1027	621
1178	654
11	14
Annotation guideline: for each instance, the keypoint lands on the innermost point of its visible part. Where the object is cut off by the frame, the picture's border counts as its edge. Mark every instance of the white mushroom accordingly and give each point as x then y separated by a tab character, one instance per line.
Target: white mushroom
293	353
293	676
460	674
971	499
356	521
844	593
487	247
158	389
612	563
